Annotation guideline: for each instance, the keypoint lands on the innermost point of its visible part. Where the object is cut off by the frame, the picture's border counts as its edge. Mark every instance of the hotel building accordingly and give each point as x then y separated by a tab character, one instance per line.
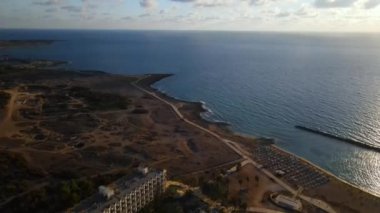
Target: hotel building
127	195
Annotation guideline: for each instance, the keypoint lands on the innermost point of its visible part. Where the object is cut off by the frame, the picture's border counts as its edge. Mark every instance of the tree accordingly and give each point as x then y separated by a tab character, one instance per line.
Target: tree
215	190
171	208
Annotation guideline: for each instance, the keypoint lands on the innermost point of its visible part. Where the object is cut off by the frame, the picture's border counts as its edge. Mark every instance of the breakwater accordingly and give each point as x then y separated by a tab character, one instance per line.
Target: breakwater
336	137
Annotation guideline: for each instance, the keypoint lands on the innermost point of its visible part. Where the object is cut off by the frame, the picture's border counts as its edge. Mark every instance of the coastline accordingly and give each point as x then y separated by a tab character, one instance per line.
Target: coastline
199	106
198	145
187	154
224	127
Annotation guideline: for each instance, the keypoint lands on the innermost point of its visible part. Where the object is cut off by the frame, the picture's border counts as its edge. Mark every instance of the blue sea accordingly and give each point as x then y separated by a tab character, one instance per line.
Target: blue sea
263	84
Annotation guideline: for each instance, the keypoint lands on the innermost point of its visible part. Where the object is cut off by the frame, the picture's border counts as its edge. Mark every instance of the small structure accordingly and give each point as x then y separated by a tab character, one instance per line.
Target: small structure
232	170
106	192
286	202
280	173
143	169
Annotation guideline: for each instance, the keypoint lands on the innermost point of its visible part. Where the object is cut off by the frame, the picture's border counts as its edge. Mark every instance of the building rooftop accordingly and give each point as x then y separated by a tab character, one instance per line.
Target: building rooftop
290	202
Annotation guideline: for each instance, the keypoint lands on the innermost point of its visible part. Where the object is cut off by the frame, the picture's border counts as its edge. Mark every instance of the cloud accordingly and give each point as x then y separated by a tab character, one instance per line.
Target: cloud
218	3
371	4
283	14
333	3
127	18
51	10
71	8
207	3
306	12
184	1
144	15
148	3
47	3
260	2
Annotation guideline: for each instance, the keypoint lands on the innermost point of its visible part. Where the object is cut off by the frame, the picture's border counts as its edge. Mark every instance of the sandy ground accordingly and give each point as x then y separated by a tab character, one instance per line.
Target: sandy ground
7	126
347	199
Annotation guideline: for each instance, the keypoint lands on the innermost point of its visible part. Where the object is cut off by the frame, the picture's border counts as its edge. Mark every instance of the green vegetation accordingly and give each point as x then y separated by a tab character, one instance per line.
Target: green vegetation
72	124
163	206
15	174
58	196
71	192
99	100
216	190
55	103
174	202
140	111
54	197
4	98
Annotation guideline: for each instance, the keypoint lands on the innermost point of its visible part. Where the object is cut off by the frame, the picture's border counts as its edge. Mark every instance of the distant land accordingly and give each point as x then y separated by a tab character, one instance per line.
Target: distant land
24	43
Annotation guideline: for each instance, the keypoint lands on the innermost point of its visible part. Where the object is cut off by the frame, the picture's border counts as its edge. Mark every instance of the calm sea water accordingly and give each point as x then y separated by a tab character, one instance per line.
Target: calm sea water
261	83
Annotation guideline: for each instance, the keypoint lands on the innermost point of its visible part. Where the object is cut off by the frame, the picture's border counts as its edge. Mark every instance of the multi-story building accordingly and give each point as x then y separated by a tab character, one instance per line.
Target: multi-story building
127	195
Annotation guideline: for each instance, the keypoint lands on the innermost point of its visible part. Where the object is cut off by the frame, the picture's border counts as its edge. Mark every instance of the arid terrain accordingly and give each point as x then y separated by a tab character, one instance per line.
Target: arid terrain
61	125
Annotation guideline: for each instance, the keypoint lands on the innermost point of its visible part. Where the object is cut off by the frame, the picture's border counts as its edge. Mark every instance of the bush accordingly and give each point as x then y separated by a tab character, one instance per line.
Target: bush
4	98
216	190
99	100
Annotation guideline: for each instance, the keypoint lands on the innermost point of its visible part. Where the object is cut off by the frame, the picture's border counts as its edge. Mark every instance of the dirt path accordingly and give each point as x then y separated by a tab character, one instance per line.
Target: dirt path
6	125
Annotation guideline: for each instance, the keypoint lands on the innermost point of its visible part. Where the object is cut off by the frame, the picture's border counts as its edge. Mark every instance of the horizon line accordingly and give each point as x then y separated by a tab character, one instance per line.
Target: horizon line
201	30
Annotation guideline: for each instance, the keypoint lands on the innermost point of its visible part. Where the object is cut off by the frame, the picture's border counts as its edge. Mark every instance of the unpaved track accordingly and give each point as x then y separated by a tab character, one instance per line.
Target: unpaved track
6	124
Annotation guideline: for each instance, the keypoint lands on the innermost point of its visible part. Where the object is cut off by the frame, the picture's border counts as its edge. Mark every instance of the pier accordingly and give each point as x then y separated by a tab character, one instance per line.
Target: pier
347	140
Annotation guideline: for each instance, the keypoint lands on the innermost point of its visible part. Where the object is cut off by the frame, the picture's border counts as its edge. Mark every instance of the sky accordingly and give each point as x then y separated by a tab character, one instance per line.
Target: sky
236	15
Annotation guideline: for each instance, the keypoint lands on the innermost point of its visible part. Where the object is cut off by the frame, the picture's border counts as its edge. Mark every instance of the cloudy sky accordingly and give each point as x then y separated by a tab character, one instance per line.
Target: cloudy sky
265	15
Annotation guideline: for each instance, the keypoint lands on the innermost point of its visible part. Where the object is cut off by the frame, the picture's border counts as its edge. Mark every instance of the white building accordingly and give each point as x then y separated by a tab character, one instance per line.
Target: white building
129	196
106	192
287	202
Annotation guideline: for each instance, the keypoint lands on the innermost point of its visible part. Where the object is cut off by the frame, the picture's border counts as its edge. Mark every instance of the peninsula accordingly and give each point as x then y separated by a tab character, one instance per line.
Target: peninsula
24	43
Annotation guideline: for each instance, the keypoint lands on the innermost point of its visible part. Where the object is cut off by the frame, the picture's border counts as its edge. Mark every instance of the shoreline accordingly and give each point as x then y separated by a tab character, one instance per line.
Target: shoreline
200	107
224	126
326	172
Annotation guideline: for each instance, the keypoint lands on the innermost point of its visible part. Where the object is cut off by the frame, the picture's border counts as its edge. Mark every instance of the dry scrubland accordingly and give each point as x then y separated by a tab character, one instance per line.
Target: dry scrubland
57	127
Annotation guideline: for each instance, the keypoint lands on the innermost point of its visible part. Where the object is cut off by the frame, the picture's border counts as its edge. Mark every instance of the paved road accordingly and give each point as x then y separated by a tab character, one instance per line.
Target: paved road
236	148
